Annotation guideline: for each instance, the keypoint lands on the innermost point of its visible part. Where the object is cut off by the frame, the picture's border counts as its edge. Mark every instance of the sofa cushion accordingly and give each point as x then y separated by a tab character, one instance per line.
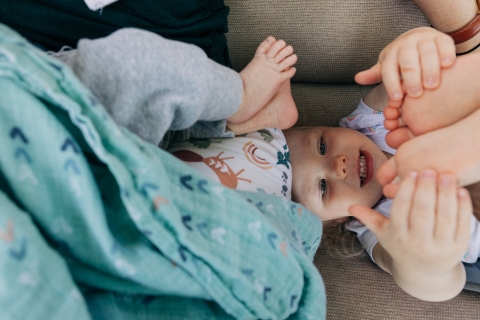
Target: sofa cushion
333	39
358	289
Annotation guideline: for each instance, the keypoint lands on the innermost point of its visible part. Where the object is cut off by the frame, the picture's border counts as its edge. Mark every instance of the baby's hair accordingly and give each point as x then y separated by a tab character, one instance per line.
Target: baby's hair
338	241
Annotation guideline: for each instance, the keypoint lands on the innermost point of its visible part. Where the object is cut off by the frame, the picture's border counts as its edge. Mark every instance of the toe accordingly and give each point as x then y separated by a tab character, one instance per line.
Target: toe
391	113
391	124
398	136
265	45
275	48
287	62
282	54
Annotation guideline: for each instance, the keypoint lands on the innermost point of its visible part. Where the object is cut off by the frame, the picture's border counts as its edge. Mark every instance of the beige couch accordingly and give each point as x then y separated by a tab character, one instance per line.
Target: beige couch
333	40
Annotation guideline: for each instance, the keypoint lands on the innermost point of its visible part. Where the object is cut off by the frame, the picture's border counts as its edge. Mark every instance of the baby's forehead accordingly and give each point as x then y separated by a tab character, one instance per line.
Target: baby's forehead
339	130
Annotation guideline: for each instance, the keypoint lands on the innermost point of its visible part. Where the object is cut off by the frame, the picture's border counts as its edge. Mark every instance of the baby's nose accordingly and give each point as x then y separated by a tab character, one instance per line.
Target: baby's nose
341	166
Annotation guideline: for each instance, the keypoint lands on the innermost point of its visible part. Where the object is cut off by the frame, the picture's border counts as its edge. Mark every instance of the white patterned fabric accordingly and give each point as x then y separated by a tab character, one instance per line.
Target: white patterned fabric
257	161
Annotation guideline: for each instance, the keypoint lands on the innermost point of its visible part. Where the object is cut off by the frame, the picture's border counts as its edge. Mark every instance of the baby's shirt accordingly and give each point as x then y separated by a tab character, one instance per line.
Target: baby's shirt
370	122
258	161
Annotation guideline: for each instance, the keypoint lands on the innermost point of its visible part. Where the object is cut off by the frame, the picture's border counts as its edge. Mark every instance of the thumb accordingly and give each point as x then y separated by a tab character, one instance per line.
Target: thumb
387	172
372	219
370	76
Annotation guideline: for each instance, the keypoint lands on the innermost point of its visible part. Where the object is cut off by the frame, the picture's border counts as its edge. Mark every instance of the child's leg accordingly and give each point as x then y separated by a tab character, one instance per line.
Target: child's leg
457	96
448	15
269	69
152	84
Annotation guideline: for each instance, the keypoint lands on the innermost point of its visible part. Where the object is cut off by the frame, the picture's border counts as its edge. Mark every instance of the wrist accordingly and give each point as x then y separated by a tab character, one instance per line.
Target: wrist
430	284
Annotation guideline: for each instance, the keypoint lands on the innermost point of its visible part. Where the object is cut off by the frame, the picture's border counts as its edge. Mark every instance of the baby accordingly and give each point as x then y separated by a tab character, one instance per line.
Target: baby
331	171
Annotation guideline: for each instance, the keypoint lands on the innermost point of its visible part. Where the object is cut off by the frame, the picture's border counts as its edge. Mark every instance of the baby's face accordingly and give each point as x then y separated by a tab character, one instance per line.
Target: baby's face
333	168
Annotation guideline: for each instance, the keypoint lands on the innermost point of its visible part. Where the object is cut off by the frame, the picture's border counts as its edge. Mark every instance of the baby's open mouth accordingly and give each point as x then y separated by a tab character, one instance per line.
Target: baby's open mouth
365	168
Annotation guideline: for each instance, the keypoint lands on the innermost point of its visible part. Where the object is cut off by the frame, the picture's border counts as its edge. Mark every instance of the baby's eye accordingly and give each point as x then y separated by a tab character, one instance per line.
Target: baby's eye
322	148
323	187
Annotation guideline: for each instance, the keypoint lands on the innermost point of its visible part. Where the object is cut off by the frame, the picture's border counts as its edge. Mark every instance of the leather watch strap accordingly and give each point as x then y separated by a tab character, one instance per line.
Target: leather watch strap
469	30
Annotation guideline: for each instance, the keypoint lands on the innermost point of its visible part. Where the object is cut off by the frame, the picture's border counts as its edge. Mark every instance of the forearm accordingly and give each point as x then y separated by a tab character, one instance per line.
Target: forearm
377	98
426	286
445	17
448	15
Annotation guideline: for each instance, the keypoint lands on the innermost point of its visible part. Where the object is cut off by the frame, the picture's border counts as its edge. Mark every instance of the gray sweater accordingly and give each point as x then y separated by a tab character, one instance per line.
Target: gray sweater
157	88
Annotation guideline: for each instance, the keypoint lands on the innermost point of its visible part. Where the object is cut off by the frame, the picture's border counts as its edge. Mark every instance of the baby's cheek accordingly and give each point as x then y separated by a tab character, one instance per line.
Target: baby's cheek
366	197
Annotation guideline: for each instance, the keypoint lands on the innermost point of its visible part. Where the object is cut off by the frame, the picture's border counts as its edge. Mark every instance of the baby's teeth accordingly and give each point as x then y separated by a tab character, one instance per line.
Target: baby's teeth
363	174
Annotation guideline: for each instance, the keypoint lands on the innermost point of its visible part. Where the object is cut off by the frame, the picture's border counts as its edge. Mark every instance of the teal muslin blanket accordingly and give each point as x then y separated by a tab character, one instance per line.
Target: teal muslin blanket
97	224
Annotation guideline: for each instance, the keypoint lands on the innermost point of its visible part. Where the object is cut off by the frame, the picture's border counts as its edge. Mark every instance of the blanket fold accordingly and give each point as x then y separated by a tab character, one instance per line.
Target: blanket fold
90	216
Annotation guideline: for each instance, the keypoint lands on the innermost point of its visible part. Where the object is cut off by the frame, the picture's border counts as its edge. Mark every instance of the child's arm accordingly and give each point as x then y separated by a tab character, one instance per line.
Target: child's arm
415	58
422	243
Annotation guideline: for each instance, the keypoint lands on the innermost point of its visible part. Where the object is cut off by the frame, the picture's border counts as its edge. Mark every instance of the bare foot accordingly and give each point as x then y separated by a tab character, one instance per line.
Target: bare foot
456	97
281	113
262	77
449	149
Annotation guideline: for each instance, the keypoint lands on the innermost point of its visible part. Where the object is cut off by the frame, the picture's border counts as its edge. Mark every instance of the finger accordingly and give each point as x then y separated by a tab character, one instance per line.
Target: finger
391	113
446	50
287	62
422	217
391	77
387	172
465	211
447	207
275	48
265	45
372	219
402	203
398	137
390	190
410	70
370	76
282	54
430	64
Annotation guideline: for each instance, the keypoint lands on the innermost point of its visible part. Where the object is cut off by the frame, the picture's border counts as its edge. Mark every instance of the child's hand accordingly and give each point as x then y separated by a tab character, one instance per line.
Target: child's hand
427	233
416	58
